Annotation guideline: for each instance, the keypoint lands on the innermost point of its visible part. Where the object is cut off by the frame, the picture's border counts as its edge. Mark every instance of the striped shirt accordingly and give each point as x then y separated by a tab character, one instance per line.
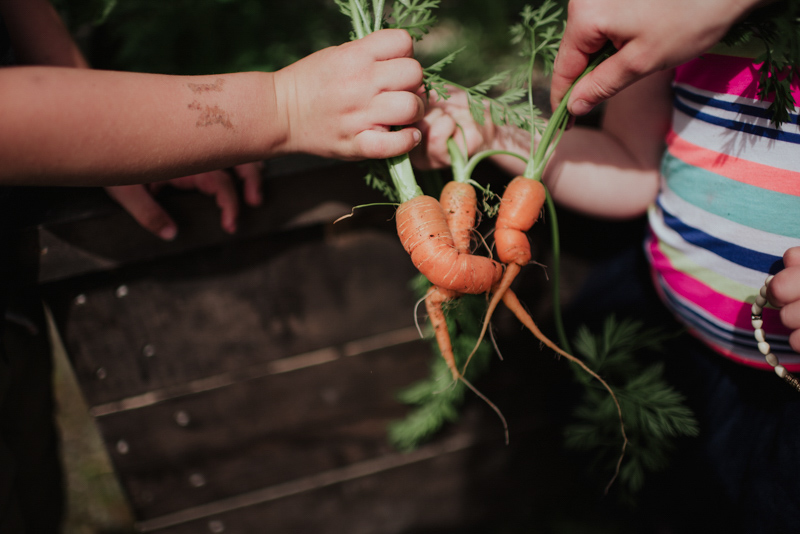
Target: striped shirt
728	208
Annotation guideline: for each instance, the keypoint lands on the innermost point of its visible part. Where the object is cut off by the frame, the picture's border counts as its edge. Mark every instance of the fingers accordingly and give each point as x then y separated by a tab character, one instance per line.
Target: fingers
607	79
220	185
250	174
792	257
402	74
582	38
784	293
376	144
137	201
436	128
397	108
785	286
794	340
388	44
790	318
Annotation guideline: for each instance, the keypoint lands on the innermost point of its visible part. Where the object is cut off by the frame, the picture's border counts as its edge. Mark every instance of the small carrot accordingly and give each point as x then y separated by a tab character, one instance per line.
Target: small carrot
435	300
425	235
460	205
520	208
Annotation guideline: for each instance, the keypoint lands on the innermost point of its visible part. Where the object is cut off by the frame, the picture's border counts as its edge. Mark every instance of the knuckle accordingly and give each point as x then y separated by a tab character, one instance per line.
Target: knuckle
404	40
600	91
792	256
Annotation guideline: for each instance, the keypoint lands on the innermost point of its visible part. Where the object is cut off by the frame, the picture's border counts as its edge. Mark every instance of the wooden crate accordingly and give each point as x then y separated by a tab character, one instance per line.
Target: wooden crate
244	383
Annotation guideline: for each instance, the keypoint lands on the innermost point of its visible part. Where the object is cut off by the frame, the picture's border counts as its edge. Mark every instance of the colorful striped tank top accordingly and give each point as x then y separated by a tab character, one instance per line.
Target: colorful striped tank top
728	209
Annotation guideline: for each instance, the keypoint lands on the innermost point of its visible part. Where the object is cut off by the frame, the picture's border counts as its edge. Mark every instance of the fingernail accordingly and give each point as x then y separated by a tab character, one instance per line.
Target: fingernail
168	233
580	107
417	137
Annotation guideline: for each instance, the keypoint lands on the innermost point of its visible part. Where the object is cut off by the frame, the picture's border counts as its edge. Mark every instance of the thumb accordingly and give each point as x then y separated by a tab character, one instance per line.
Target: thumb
138	202
607	79
375	144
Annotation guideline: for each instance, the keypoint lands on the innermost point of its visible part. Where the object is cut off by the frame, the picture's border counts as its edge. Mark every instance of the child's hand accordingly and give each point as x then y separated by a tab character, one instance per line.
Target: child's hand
139	202
341	102
445	119
784	292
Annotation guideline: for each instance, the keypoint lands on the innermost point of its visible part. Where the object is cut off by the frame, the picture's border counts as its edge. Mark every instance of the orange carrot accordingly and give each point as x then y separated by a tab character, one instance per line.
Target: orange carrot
519	210
434	302
512	303
460	205
425	235
454	216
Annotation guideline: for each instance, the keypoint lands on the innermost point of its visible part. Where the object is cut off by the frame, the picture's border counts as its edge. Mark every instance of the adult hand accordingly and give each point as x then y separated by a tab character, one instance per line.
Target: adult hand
784	292
139	202
650	35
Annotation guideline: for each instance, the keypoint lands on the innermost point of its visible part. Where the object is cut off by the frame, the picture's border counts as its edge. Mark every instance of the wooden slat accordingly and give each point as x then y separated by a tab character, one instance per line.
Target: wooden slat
199	315
382	495
261	432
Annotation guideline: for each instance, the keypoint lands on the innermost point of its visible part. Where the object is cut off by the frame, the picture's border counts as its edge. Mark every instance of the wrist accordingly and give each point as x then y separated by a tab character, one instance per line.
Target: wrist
276	122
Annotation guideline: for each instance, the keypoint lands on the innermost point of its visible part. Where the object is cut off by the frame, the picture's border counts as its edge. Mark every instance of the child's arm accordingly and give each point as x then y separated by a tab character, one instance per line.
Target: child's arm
784	292
66	126
610	172
39	37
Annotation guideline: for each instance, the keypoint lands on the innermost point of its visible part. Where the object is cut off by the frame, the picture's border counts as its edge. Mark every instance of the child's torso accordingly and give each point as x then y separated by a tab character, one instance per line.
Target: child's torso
728	209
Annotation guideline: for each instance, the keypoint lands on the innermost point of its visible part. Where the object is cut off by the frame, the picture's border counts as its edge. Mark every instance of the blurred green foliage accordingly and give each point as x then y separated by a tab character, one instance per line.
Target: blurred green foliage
214	36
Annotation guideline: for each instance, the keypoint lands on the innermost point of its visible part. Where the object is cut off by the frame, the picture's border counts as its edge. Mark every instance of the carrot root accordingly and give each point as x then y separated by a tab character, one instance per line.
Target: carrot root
512	303
434	301
511	272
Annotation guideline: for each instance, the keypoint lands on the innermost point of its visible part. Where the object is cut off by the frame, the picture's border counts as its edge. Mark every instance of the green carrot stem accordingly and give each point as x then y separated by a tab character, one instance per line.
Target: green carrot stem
480	156
558	121
559	322
403	179
377	8
400	169
358	19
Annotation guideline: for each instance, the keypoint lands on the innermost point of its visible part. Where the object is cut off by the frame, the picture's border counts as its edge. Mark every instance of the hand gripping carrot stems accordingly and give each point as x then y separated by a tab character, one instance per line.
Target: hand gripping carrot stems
422	224
525	196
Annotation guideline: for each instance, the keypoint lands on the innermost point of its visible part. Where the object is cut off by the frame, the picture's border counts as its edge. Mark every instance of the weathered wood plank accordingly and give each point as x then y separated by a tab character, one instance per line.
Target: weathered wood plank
460	483
262	432
198	315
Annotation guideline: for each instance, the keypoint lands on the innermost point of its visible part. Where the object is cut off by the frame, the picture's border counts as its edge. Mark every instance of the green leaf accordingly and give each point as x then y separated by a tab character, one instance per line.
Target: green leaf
654	413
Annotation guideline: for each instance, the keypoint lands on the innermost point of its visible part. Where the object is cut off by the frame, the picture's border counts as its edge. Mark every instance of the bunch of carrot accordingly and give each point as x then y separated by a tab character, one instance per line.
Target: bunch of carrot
438	234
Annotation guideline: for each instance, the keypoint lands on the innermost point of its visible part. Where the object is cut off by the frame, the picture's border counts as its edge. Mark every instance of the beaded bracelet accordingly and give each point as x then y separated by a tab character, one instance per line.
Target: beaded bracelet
763	346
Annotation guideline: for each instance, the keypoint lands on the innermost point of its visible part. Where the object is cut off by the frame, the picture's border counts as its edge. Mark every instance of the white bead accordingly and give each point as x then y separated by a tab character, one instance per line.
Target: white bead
763	291
780	371
763	347
759	333
761	301
769	279
756	309
757	323
772	359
